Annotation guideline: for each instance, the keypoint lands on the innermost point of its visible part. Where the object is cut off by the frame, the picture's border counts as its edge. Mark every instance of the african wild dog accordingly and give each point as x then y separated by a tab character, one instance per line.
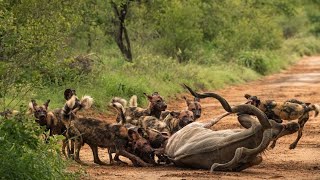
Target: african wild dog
97	133
289	110
192	105
9	113
156	138
133	112
53	120
68	114
177	120
73	105
50	119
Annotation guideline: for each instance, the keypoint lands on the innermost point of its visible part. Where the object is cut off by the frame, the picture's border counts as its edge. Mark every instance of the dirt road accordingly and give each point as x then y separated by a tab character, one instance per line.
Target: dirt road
301	81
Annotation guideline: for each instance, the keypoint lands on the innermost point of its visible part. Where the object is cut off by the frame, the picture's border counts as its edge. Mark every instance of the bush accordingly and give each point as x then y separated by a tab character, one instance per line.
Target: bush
179	29
303	46
261	61
24	155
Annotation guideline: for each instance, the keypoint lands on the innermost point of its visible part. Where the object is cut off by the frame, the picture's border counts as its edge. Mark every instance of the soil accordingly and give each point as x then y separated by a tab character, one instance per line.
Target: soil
301	81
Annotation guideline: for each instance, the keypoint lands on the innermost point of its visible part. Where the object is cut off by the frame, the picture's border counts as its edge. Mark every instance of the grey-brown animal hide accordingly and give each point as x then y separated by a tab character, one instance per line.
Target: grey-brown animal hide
197	146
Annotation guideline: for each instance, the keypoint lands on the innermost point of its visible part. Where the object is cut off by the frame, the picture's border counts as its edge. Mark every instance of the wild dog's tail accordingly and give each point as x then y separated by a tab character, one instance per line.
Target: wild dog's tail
315	108
121	110
74	104
86	102
122	101
133	101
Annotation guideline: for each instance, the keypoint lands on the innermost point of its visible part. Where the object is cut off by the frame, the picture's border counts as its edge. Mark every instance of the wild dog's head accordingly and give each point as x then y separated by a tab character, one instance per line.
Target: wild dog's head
68	93
157	139
185	117
140	145
194	106
253	100
156	102
39	112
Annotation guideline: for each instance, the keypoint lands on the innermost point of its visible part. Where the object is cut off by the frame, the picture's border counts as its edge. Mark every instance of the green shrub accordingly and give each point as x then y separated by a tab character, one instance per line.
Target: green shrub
303	46
24	155
261	61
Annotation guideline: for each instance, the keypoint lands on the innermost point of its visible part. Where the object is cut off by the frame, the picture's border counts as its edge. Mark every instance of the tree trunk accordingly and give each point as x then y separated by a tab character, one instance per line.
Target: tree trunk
121	35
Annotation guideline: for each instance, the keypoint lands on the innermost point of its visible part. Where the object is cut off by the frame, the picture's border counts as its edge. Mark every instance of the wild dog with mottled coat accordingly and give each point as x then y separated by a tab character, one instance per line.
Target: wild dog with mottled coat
53	120
50	119
155	138
192	105
133	112
289	110
97	133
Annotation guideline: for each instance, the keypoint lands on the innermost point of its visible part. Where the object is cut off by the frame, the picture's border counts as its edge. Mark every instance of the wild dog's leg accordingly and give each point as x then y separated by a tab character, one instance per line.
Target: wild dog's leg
135	160
63	149
110	156
96	159
116	158
78	145
71	150
302	121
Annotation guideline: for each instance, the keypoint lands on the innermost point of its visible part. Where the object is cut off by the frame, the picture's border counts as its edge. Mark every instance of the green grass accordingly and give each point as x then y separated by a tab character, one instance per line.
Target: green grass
149	73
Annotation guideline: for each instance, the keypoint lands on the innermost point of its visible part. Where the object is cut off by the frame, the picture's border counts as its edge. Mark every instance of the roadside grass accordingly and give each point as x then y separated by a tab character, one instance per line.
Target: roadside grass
153	73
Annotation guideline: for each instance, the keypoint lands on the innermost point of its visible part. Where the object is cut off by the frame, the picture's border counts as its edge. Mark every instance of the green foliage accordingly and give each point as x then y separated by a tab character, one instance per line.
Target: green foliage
25	155
302	46
33	35
313	12
260	61
179	28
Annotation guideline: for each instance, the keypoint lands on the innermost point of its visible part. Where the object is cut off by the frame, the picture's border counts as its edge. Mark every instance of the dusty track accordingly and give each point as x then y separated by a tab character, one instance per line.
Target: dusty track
300	81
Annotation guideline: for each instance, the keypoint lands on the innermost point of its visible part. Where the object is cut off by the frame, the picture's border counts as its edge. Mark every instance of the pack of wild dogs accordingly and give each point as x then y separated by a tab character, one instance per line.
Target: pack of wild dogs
156	136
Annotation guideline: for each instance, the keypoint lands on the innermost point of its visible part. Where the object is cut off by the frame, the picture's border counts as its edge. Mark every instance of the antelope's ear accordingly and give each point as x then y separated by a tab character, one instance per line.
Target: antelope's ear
247	96
46	104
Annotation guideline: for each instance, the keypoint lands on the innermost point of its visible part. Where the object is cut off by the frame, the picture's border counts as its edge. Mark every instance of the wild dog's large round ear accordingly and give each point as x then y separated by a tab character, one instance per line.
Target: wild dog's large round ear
34	104
187	101
155	94
68	94
31	106
175	114
133	135
148	96
142	133
247	96
197	99
165	135
46	104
